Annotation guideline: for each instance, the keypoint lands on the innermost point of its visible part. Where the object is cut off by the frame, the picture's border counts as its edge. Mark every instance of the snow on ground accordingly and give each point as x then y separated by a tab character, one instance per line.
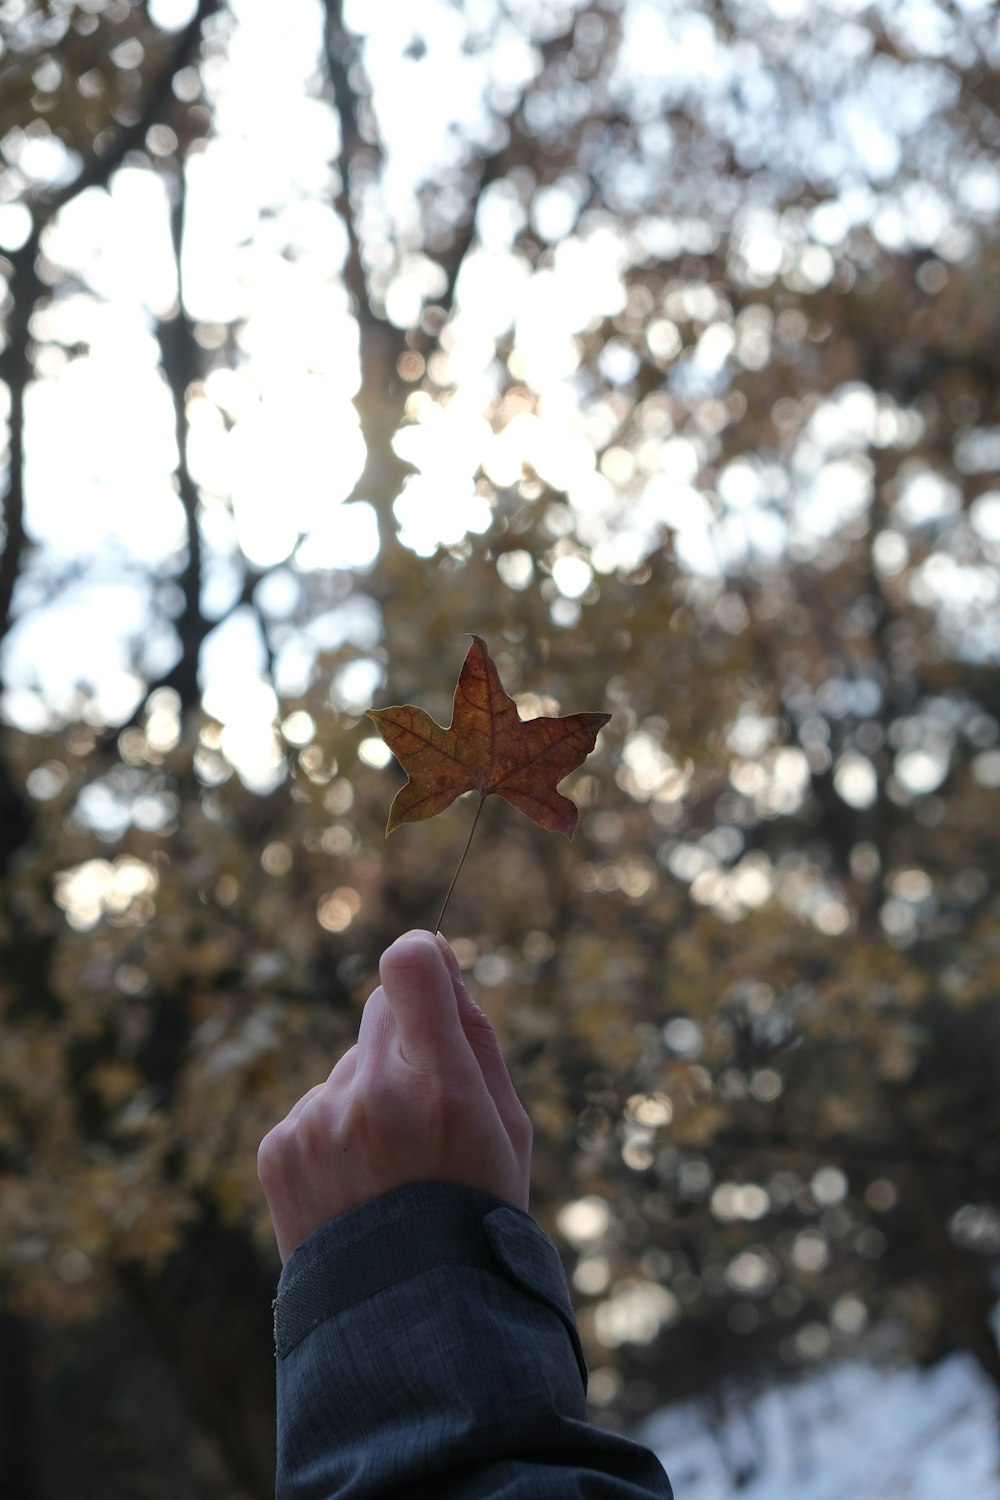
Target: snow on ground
851	1433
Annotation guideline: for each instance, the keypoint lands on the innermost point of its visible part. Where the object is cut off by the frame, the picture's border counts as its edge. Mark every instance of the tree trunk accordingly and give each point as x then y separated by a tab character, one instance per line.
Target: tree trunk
209	1312
17	1410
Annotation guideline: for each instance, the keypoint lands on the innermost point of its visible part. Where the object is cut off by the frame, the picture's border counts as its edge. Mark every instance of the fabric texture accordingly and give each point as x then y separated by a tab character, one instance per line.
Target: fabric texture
426	1346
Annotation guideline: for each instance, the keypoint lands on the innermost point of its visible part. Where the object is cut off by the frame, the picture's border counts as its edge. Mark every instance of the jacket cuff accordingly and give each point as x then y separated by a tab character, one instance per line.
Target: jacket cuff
404	1233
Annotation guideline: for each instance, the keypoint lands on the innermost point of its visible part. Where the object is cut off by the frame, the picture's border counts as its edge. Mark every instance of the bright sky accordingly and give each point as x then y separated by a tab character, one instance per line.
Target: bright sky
100	499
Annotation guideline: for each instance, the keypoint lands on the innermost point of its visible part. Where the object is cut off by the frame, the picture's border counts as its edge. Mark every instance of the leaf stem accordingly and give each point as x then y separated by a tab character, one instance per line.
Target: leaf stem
444	908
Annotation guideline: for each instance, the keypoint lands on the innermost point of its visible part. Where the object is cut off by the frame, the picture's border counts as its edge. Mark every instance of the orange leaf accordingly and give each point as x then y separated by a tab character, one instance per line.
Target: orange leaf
487	748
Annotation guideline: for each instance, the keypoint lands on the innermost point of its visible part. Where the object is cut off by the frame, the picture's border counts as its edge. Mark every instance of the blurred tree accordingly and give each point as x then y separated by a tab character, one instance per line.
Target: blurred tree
676	380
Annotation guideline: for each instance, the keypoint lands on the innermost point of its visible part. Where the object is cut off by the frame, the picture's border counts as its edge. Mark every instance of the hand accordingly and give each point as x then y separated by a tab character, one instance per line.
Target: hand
424	1095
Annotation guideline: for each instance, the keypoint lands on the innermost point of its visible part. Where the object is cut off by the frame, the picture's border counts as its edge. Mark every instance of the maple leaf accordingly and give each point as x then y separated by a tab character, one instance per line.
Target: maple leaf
487	748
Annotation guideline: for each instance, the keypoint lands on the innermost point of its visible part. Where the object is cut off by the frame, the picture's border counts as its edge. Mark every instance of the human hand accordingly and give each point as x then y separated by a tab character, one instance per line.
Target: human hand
424	1095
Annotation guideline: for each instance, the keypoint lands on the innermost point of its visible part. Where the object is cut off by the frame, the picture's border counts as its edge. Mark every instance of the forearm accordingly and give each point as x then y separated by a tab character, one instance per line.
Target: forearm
426	1346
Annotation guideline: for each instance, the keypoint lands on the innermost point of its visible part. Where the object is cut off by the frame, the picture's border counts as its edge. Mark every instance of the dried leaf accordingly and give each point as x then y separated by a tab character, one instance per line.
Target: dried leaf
488	748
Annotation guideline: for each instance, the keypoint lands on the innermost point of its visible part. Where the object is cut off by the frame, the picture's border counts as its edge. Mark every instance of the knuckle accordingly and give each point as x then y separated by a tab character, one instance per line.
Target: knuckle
315	1130
481	1027
271	1153
525	1131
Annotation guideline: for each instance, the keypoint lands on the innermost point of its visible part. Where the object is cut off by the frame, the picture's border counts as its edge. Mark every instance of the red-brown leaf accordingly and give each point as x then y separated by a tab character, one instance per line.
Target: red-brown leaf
487	748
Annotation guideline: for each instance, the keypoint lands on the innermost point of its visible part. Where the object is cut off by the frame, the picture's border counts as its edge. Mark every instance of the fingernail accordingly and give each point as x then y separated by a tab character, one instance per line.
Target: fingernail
400	946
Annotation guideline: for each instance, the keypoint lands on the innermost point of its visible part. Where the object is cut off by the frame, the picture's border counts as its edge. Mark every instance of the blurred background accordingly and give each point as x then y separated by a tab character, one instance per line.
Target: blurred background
657	342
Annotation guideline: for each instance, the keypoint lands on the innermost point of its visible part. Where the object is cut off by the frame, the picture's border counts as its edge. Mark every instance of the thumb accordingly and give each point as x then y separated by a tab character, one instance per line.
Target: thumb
422	999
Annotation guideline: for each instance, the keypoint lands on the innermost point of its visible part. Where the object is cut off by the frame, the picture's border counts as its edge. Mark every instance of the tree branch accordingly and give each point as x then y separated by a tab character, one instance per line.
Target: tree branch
182	366
339	51
98	171
15	366
24	289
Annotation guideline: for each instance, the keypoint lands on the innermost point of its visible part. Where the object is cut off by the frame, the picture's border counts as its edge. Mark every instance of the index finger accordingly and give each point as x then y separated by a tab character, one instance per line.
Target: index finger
484	1043
422	999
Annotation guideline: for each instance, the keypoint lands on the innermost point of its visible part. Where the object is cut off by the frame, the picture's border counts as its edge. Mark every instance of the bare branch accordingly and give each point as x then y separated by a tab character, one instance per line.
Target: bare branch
340	53
15	367
131	137
25	288
182	366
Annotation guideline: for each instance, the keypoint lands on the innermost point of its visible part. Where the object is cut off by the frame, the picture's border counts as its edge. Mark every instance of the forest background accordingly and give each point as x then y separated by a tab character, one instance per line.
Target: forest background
657	342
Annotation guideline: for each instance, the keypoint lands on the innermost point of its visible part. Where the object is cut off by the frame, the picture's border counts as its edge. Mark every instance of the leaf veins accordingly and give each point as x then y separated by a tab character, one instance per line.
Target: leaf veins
487	748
